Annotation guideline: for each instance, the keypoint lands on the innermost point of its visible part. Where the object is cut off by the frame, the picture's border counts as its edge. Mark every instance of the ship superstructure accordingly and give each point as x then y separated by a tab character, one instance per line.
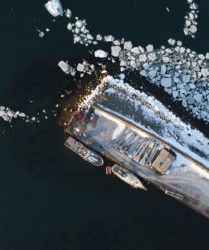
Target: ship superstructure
146	151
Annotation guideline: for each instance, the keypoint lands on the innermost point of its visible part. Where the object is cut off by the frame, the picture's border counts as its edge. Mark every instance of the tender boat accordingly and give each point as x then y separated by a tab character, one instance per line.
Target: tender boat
84	152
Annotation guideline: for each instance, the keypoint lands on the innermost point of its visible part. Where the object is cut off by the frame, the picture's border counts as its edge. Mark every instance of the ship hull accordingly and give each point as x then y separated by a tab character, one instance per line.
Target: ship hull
84	152
127	177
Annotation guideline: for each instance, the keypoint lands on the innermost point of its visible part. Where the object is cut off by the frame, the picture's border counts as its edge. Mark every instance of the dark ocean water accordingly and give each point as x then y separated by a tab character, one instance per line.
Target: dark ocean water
49	198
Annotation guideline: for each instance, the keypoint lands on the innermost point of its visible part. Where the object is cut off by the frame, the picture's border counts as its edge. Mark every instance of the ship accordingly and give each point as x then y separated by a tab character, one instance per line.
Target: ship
84	152
140	139
127	177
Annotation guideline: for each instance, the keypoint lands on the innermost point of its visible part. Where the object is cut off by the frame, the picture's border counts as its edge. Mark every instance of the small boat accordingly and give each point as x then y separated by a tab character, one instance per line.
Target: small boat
84	152
127	177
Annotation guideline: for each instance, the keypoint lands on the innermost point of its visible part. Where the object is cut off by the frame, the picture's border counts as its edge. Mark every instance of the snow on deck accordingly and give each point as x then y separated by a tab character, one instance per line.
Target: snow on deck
154	117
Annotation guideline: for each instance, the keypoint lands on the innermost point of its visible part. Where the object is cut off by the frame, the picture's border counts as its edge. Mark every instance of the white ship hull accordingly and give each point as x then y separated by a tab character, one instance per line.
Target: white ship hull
127	177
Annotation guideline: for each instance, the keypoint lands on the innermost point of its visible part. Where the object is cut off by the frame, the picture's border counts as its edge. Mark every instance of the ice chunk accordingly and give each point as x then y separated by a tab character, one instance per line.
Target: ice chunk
99	37
204	114
40	33
149	48
198	97
81	67
175	94
171	41
192	86
193	28
79	24
109	38
68	13
141	49
54	7
166	82
184	103
128	45
135	50
100	53
186	78
152	56
205	72
207	55
116	42
115	51
152	73
64	66
142	58
166	59
69	26
179	43
163	69
143	72
22	114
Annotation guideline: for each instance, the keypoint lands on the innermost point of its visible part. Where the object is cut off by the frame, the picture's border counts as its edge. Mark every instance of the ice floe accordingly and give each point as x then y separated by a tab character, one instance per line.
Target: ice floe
54	7
66	68
180	71
8	115
82	68
40	33
100	53
68	13
171	41
109	38
190	25
80	32
115	51
128	45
